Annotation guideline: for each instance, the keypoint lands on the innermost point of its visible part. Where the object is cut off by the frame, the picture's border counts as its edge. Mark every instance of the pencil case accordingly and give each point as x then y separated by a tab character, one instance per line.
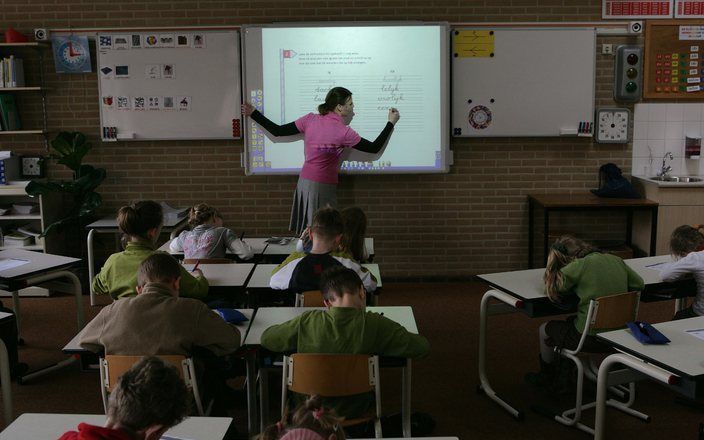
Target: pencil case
233	316
646	333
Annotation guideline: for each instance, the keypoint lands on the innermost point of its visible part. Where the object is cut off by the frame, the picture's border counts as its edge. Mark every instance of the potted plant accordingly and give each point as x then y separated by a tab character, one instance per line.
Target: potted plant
71	148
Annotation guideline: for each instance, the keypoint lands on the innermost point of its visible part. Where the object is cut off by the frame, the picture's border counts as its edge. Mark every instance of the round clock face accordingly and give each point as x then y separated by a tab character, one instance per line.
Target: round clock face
613	126
72	55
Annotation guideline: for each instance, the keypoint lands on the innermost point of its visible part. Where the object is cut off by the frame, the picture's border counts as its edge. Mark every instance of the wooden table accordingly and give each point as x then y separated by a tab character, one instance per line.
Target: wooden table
586	202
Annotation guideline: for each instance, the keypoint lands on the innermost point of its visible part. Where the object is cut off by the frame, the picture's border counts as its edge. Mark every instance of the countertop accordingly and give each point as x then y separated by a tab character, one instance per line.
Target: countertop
660	183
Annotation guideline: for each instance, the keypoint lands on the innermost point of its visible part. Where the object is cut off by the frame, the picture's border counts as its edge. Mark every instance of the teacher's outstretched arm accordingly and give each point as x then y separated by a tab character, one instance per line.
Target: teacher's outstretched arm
273	128
375	147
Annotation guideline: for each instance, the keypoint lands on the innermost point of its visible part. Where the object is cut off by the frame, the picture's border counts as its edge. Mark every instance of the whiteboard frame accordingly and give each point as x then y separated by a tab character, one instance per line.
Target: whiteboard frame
445	99
236	84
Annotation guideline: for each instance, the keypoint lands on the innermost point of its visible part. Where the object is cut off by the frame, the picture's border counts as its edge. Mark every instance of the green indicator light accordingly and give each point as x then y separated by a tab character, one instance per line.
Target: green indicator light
631	87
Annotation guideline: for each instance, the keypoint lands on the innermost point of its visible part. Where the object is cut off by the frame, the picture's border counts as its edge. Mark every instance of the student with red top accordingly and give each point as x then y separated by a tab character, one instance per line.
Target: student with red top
149	399
326	136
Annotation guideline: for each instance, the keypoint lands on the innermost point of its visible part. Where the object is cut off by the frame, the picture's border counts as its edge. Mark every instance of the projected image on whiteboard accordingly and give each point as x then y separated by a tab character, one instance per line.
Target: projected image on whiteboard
383	67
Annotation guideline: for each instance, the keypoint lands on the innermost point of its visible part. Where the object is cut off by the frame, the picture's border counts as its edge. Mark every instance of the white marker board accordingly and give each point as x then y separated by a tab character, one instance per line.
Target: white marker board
522	81
288	70
187	81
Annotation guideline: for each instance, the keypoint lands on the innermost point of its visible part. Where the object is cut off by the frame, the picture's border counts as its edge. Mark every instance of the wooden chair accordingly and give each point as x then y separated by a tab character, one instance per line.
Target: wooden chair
605	313
334	375
113	366
207	261
310	298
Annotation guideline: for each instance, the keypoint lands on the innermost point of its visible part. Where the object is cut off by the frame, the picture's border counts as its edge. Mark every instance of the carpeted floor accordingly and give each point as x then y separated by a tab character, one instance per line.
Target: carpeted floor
444	383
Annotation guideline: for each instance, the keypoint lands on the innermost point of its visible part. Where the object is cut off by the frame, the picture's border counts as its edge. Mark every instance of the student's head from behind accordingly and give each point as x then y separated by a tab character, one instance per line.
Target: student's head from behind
310	421
203	213
326	229
141	220
149	399
342	287
686	239
565	250
159	268
354	229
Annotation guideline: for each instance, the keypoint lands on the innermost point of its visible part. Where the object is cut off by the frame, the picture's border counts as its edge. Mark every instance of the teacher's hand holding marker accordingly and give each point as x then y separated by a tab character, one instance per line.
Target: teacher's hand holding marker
326	135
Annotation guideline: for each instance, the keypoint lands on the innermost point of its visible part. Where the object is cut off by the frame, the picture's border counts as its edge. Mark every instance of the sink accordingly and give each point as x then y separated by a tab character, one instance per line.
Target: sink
676	179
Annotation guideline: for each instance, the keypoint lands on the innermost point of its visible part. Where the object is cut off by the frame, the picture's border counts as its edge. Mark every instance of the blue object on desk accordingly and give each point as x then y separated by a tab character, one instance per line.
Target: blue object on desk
646	333
233	316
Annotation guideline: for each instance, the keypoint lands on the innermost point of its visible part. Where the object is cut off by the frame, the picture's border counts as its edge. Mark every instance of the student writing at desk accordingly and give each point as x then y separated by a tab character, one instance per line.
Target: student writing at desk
326	136
576	267
687	247
141	222
344	328
354	230
208	238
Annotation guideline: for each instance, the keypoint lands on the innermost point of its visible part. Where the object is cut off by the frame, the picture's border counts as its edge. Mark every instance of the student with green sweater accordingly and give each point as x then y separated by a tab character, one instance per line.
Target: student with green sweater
345	327
141	222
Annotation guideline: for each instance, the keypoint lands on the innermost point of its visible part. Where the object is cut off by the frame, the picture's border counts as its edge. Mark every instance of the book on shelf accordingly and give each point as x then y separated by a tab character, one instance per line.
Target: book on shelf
17	239
11	72
9	116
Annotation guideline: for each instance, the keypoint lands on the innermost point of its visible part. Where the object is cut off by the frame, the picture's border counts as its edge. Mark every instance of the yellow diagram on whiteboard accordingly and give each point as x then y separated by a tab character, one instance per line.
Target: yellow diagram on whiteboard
469	44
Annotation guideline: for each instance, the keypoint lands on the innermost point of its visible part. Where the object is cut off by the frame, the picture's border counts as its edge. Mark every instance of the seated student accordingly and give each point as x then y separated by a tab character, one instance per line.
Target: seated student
310	421
352	243
208	238
344	328
687	247
149	399
141	222
576	267
301	272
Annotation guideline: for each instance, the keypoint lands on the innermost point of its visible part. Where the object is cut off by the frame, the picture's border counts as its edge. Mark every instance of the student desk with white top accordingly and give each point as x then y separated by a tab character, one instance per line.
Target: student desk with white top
276	252
269	316
524	291
677	364
108	225
50	426
258	283
224	278
257	244
74	348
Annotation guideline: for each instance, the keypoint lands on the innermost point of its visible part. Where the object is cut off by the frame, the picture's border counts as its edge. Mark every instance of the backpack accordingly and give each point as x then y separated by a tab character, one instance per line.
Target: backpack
612	184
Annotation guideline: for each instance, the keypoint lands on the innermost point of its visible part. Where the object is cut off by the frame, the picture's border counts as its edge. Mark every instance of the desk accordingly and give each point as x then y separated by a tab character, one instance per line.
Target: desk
524	291
257	244
74	348
586	202
268	316
276	253
108	225
677	364
48	426
224	276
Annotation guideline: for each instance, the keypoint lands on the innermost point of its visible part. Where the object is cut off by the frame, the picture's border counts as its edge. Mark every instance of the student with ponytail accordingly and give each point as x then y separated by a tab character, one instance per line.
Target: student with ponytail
311	421
326	136
576	267
687	248
141	223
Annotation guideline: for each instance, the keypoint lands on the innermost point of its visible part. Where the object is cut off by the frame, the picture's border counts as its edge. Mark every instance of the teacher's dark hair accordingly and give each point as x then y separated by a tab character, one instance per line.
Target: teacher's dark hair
336	96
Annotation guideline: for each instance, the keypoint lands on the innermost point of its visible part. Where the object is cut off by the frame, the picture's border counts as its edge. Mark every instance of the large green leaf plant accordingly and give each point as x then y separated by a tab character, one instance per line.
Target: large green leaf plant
71	148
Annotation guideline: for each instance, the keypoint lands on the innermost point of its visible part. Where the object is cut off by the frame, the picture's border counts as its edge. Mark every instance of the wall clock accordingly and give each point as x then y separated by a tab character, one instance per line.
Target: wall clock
612	125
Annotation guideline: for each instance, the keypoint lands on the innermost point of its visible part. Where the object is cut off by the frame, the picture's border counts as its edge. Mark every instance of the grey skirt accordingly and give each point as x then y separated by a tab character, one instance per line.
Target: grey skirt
308	198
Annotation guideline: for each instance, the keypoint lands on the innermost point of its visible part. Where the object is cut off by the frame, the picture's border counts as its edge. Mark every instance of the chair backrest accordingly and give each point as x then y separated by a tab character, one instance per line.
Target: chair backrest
330	375
614	311
207	261
310	298
114	366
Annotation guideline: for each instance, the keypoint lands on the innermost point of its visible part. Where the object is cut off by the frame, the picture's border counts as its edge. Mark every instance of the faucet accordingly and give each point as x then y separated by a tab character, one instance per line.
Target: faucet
665	168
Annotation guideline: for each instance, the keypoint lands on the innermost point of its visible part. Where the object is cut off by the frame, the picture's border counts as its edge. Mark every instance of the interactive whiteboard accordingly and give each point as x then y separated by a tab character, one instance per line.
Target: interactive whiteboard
523	81
169	85
289	70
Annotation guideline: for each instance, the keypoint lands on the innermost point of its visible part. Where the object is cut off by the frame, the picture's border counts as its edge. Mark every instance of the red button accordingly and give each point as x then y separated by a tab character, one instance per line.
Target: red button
658	80
667	71
666	79
658	89
658	72
659	56
668	56
658	64
667	89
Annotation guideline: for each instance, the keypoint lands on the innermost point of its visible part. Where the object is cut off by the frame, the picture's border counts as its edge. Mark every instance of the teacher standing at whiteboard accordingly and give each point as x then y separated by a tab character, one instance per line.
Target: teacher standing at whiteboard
326	135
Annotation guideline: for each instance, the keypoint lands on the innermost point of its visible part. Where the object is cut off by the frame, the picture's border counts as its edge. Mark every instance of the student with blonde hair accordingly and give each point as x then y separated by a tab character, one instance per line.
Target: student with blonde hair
208	238
577	268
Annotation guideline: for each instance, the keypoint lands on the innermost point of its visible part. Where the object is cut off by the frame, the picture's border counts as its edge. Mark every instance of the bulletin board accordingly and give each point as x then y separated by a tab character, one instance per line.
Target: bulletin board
523	81
169	85
673	66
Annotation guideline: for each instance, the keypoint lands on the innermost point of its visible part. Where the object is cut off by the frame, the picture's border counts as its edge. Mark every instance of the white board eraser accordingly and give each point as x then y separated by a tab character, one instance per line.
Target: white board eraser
568	132
125	136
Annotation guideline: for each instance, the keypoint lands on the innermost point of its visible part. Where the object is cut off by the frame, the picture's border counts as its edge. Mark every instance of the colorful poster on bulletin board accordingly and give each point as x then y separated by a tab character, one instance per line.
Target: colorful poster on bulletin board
689	9
636	9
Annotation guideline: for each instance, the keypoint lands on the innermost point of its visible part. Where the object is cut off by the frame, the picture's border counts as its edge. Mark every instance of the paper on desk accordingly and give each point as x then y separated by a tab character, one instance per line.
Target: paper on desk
697	333
10	263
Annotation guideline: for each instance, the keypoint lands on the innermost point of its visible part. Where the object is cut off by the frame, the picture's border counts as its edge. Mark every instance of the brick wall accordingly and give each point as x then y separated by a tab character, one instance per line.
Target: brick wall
469	221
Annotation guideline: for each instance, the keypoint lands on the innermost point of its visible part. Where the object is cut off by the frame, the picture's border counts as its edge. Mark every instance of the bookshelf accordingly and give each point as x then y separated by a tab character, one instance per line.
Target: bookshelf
23	50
